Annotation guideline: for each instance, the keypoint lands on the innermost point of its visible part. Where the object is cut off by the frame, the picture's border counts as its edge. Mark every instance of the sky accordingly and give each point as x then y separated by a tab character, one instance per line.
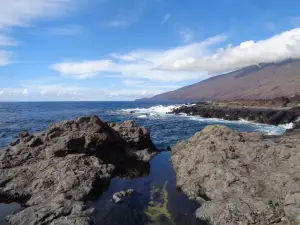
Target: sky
115	50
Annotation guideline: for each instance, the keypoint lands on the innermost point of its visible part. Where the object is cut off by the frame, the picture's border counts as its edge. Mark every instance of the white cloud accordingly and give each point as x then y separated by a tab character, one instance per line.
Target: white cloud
19	13
166	18
187	35
25	92
279	47
64	92
84	69
193	61
140	64
5	57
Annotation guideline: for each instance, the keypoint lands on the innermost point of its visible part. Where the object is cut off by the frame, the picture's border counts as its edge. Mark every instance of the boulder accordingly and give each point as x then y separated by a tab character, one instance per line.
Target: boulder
240	178
54	172
118	196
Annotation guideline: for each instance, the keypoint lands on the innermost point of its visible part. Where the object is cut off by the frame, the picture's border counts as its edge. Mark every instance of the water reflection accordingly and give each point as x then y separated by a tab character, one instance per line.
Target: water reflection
6	209
155	201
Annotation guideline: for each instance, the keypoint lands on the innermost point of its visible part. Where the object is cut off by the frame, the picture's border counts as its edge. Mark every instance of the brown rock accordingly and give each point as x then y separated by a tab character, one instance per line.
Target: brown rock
245	178
55	171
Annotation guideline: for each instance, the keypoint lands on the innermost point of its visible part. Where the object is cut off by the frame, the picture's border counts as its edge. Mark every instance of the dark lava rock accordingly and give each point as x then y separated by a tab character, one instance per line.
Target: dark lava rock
56	170
241	178
224	110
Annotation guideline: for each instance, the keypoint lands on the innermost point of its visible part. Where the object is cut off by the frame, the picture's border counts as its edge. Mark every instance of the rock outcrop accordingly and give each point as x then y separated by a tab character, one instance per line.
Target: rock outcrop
54	172
237	111
241	178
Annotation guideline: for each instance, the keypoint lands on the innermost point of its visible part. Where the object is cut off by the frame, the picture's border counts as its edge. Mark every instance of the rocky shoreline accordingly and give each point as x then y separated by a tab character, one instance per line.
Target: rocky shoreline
53	173
273	112
241	178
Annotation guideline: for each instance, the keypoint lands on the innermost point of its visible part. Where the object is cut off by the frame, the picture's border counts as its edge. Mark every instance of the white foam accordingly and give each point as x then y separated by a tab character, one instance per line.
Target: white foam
159	111
142	116
258	127
287	126
154	111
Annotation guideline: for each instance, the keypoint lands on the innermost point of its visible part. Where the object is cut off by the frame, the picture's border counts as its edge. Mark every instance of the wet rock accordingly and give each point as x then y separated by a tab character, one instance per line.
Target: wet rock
245	178
56	170
224	110
118	197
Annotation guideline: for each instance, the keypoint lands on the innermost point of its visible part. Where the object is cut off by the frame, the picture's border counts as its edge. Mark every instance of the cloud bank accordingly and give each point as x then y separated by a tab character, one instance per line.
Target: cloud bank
193	61
277	48
140	64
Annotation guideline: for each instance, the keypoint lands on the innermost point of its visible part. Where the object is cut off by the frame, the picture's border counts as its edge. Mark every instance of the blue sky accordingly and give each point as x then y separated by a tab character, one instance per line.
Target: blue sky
127	49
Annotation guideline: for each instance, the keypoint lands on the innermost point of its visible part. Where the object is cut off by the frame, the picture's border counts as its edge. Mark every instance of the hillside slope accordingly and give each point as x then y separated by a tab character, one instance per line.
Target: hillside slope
266	80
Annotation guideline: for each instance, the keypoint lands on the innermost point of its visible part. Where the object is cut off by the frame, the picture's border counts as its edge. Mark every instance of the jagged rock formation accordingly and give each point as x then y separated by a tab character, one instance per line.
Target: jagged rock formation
55	171
241	178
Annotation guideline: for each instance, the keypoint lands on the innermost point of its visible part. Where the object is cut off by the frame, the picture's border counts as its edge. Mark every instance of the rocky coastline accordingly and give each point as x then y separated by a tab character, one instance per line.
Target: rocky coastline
273	112
240	178
53	173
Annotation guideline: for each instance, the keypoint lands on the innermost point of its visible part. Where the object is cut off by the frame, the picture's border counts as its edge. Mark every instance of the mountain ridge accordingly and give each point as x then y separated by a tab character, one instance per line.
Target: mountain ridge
262	81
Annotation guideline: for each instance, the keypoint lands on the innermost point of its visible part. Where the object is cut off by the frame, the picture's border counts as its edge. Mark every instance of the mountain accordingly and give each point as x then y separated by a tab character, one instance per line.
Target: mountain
263	81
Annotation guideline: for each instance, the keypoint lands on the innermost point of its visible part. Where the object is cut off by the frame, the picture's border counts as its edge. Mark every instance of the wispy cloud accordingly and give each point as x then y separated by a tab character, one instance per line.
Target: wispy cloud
270	26
7	41
295	21
187	35
5	57
126	15
22	13
166	18
72	30
117	23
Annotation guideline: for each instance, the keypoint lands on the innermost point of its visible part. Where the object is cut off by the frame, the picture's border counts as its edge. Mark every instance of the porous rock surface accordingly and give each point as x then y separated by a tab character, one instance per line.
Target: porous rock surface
241	178
54	172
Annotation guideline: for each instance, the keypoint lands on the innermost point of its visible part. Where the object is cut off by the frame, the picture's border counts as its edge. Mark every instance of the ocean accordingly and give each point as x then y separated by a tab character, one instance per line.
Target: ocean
156	201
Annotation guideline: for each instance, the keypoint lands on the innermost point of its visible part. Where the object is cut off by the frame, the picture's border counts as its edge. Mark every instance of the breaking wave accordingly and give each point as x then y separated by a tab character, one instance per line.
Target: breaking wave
161	111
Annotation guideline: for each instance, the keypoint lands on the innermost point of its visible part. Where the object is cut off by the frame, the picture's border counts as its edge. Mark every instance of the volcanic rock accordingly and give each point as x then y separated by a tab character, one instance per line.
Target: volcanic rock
236	111
241	178
54	172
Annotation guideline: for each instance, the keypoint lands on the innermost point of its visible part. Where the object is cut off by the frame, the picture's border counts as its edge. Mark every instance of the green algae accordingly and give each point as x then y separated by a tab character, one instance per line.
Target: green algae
157	210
